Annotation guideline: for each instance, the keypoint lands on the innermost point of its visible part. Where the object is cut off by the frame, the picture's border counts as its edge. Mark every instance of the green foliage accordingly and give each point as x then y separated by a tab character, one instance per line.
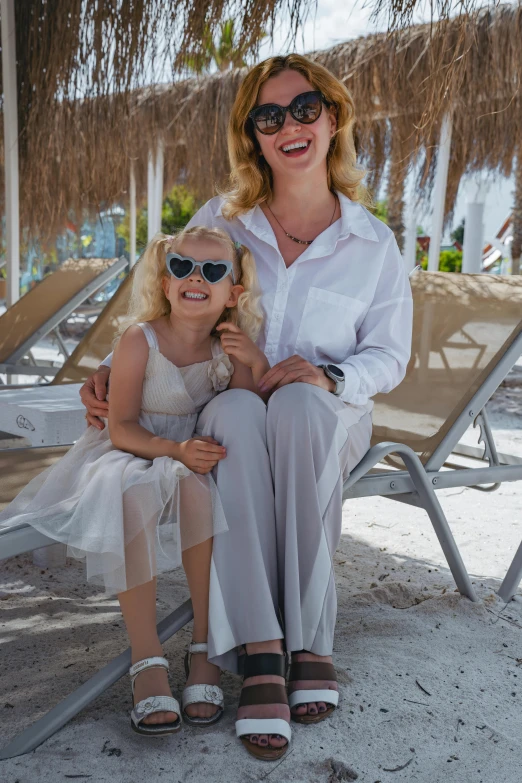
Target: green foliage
457	235
225	53
178	208
450	260
380	210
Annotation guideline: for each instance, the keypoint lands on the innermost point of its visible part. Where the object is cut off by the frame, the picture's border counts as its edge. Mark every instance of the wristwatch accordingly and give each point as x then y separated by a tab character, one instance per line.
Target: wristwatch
335	374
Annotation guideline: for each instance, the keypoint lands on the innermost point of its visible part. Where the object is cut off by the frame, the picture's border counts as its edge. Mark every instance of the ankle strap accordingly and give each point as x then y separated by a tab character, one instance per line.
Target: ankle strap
264	663
198	647
148	663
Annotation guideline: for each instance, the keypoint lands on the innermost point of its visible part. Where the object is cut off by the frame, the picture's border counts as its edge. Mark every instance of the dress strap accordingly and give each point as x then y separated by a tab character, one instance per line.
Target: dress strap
150	335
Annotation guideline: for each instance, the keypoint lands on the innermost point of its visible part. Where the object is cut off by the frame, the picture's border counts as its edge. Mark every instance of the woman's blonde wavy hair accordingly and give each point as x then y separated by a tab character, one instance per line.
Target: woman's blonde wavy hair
148	302
250	181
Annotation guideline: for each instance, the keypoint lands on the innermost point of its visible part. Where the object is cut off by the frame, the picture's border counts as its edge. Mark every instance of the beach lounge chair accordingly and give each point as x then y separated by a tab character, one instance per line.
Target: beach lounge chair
417	429
467	335
42	309
51	414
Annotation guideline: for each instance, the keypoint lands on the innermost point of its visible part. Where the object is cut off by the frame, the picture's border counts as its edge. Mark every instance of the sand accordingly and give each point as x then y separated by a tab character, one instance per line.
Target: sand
431	684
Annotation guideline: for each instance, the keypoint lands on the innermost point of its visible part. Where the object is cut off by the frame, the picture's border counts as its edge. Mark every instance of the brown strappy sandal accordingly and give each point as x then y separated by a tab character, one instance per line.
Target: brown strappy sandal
269	693
312	670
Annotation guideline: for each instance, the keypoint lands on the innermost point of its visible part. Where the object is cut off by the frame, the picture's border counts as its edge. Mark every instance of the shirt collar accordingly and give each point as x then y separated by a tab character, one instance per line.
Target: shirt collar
354	220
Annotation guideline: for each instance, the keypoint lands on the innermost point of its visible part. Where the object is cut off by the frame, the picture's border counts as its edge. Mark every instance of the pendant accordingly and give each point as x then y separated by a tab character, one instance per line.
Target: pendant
299	241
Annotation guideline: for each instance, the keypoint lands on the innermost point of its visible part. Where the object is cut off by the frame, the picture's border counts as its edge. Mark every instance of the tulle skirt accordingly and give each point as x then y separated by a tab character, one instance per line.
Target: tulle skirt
130	518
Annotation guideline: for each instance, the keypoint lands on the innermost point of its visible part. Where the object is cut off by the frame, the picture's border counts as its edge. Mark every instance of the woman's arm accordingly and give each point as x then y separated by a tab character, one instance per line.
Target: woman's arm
383	342
384	337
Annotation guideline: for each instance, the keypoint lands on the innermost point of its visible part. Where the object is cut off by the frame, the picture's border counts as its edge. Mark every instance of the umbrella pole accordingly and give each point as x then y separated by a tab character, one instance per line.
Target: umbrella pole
12	208
439	193
132	214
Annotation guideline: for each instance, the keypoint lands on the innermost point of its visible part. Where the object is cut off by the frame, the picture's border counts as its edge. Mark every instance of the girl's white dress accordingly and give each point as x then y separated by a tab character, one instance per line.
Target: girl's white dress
129	517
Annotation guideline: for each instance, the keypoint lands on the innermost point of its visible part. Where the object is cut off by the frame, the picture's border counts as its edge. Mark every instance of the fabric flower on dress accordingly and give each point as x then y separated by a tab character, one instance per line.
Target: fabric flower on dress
220	371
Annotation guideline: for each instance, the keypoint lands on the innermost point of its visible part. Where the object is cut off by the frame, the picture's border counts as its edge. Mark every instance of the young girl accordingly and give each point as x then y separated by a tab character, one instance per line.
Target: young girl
138	499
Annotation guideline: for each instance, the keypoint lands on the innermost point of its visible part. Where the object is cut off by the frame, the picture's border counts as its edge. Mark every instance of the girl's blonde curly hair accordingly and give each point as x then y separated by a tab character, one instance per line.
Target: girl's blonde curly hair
148	302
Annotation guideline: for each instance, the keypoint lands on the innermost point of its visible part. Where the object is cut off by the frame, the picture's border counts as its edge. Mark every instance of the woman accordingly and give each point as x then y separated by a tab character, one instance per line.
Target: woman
338	311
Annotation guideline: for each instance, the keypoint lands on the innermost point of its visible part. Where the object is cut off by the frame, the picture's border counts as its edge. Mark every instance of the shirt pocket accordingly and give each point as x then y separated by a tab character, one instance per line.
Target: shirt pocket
328	326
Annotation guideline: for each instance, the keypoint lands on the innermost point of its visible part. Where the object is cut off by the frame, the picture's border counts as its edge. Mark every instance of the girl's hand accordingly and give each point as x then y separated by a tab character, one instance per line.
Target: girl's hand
200	454
236	343
295	369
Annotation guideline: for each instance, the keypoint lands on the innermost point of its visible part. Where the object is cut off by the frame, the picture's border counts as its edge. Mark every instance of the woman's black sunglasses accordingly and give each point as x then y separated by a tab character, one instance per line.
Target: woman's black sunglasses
213	272
306	108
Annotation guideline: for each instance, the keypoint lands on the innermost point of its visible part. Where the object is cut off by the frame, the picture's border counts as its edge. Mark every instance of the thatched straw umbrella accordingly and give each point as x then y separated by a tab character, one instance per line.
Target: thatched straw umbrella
85	151
57	53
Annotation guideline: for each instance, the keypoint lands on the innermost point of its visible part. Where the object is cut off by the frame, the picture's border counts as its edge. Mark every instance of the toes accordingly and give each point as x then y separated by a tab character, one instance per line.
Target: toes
201	710
263	740
254	739
312	708
321	706
300	709
208	710
277	741
161	717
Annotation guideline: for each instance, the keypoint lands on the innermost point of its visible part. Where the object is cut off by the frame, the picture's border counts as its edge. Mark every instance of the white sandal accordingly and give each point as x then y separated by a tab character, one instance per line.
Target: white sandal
197	694
147	707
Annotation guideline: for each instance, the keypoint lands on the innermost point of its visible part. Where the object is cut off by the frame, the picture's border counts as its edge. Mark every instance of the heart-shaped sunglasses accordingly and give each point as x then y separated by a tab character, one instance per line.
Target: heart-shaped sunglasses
213	272
306	108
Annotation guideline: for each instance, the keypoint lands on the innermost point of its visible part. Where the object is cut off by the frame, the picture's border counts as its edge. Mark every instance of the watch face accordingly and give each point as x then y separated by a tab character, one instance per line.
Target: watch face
335	371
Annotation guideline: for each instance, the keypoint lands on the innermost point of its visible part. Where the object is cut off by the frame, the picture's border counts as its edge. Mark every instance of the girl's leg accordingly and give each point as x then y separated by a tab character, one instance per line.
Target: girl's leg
138	607
196	562
312	446
243	580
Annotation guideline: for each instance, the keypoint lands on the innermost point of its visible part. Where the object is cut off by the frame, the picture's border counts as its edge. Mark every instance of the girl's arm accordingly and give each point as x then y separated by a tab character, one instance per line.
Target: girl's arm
128	372
199	454
247	378
250	363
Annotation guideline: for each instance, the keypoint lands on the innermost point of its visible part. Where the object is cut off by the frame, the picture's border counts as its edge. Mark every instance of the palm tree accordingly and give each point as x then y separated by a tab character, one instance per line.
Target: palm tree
226	53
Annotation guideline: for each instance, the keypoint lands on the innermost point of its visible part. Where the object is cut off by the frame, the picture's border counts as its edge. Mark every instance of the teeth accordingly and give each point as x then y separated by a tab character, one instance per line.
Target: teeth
193	295
295	146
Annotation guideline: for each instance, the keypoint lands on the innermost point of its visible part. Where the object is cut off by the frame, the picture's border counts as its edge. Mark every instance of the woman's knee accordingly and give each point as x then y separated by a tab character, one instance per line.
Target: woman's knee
233	411
292	402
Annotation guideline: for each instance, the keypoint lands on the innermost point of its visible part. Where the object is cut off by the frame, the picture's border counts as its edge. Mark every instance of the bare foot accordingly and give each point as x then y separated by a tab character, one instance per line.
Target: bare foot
265	710
202	672
312	708
153	682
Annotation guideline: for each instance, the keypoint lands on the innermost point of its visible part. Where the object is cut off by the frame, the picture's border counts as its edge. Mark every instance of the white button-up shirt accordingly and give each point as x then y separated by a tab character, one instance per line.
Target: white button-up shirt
346	300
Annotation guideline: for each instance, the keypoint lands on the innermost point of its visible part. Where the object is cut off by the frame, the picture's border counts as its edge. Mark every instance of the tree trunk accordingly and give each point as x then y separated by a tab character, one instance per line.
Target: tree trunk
516	247
396	182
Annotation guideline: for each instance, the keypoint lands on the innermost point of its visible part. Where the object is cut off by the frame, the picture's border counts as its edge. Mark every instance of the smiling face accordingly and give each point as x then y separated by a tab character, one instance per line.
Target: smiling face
193	298
297	149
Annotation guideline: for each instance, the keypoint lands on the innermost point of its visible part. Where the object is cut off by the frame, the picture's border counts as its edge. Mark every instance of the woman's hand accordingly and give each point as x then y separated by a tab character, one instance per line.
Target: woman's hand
200	454
93	395
236	343
292	370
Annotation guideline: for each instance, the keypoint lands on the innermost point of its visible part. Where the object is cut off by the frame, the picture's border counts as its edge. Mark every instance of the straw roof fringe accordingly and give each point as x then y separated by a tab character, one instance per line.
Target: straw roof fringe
79	158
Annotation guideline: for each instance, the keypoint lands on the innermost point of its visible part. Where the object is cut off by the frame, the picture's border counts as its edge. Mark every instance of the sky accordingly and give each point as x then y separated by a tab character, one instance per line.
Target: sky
339	20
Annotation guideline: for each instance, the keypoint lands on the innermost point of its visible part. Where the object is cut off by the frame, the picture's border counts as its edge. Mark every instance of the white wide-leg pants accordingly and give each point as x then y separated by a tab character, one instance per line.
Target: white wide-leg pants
281	490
